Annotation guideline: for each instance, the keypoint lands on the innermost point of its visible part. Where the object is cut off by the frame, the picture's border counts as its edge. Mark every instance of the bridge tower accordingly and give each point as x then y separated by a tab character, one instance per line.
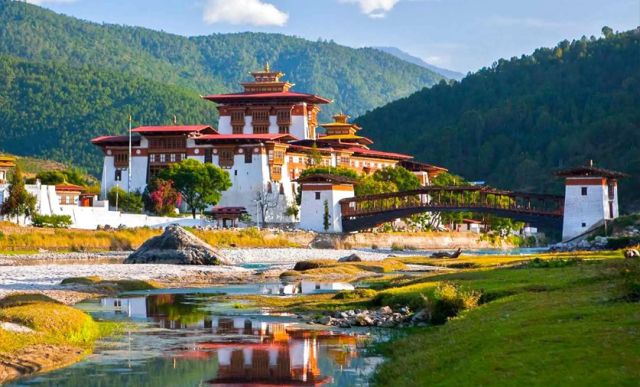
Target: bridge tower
321	195
591	198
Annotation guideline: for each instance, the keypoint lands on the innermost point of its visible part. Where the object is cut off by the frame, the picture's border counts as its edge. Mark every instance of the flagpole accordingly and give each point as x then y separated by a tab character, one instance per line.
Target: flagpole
129	169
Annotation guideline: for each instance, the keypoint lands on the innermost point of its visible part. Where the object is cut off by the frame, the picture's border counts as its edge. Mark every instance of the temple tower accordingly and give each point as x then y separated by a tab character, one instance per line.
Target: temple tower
591	198
321	195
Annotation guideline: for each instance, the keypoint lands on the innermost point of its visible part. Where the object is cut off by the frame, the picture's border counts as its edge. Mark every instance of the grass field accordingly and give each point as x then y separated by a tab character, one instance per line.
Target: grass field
17	239
577	324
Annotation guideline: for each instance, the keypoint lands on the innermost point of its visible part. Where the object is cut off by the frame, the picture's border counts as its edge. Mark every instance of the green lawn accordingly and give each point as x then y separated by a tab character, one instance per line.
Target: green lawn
540	326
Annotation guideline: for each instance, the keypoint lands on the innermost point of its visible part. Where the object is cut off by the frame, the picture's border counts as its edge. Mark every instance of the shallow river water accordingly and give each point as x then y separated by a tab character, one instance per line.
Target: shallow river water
182	338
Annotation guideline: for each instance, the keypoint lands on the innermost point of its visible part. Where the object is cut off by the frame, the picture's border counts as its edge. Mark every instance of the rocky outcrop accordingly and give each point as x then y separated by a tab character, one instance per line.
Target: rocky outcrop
351	258
179	247
384	317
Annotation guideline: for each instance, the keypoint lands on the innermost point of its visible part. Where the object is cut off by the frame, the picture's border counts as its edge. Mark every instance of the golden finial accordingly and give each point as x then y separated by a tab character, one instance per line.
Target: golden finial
267	68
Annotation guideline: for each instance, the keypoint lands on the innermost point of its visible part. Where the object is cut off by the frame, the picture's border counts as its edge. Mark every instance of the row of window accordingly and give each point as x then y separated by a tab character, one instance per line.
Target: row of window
167	143
259	129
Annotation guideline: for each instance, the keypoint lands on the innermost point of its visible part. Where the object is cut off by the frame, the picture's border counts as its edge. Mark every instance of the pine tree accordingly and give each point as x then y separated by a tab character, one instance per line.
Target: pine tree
20	202
326	219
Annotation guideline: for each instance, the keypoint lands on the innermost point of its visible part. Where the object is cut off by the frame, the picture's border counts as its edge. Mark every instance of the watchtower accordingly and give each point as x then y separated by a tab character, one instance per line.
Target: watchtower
591	198
320	205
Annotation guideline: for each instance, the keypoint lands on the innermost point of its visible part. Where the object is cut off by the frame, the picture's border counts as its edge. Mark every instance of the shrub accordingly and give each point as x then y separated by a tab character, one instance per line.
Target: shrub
130	202
449	300
396	246
51	221
313	264
355	294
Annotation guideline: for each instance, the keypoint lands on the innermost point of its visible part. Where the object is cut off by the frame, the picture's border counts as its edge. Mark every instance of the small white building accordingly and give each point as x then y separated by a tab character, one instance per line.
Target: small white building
591	198
320	209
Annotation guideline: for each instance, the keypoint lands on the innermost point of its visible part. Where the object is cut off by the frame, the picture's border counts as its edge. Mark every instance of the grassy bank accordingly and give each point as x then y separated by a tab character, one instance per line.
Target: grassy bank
15	238
61	335
571	323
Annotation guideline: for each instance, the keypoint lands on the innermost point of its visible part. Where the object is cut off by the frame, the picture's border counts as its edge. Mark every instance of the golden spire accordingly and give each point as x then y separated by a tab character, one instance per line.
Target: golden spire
267	68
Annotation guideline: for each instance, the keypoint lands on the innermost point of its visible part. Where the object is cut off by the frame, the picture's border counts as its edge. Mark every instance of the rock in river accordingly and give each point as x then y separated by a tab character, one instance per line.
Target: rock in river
177	246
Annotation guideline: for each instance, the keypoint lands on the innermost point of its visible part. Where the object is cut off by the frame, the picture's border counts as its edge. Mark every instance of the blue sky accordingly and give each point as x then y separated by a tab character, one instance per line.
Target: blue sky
462	35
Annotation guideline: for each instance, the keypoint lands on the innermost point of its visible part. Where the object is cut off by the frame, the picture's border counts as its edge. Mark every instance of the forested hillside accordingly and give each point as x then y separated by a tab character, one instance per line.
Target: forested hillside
357	79
54	110
515	123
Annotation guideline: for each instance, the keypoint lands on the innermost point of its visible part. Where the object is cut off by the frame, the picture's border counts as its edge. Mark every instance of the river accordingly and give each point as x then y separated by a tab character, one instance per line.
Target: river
185	338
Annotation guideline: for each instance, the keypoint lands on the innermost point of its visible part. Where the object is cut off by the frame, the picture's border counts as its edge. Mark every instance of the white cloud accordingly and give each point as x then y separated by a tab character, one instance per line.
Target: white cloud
253	12
374	8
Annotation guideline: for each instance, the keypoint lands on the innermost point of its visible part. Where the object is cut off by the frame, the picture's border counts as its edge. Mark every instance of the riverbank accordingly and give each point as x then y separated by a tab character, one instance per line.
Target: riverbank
43	335
20	240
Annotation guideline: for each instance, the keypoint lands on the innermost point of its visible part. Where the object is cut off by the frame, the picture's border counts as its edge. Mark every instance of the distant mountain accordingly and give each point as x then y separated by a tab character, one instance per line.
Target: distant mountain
515	123
398	53
357	79
64	80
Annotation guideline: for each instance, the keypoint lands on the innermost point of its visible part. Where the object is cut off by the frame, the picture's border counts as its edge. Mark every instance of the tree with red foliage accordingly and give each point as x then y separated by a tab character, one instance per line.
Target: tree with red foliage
164	197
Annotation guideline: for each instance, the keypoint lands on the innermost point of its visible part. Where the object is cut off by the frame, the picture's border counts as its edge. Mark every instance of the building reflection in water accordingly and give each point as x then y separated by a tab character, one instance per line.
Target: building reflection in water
249	350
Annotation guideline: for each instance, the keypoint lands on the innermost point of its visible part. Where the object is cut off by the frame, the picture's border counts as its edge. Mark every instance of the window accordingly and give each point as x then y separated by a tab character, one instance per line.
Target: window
121	160
163	158
584	191
226	158
283	129
261	129
284	117
152	158
248	157
118	176
173	157
317	195
237	118
584	225
237	129
261	117
208	156
168	143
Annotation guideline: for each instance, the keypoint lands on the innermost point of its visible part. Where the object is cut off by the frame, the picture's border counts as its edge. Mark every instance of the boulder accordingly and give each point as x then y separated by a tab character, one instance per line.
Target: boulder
631	253
351	258
177	246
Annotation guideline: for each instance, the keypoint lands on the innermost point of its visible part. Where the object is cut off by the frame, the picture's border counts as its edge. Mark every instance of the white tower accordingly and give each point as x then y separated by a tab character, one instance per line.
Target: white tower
591	198
321	195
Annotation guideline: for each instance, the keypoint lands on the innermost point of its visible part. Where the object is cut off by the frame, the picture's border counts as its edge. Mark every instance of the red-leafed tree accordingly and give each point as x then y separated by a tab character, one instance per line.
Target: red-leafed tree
164	198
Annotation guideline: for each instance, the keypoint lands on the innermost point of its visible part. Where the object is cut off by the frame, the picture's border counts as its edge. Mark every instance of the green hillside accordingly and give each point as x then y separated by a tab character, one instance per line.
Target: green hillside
357	79
516	122
53	110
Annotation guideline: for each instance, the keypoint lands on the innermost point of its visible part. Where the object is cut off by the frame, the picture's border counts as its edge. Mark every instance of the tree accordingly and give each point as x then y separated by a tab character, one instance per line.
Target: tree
607	32
315	157
403	179
266	200
20	202
200	185
368	185
163	199
129	202
51	177
326	217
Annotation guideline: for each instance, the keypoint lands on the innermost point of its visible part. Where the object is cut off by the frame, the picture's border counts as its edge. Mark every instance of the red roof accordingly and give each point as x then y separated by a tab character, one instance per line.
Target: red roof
375	153
174	129
115	140
290	95
69	188
259	137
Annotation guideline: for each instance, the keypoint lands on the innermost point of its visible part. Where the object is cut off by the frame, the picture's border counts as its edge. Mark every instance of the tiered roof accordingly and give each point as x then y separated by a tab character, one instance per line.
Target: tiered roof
266	86
591	171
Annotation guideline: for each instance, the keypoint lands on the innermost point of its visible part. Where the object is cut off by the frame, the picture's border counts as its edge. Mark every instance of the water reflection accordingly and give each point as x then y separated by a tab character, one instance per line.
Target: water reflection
304	287
192	339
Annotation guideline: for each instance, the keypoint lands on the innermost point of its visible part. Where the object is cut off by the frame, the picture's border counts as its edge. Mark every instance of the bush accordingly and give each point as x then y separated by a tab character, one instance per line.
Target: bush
630	273
313	264
130	202
396	247
51	221
355	294
449	300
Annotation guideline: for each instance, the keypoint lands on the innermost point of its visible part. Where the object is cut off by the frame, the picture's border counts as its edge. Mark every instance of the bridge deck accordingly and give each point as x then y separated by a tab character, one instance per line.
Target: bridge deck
369	211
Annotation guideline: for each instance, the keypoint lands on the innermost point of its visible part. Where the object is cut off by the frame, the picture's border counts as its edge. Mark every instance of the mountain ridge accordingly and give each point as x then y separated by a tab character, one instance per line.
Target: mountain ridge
515	123
401	54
